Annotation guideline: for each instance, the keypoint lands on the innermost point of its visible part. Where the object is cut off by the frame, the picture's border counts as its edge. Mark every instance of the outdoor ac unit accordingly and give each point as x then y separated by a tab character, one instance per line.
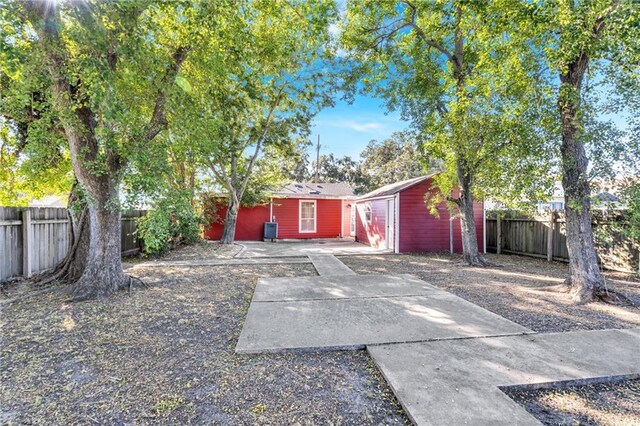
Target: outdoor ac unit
270	230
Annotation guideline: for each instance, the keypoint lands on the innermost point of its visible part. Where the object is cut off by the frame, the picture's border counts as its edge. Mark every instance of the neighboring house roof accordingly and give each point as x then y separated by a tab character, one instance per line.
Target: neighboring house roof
50	201
394	188
606	197
315	190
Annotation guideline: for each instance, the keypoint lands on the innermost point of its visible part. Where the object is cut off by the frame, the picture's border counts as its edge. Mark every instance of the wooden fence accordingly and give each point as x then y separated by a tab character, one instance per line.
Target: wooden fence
46	233
545	237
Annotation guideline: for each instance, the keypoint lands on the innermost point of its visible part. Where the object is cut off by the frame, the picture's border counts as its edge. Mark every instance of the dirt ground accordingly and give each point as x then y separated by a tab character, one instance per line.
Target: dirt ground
518	290
164	355
590	405
203	249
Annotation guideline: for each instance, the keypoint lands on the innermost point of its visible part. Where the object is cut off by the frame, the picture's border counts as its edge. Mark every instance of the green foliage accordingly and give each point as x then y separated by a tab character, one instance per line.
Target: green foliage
343	169
466	78
258	108
393	160
630	197
171	221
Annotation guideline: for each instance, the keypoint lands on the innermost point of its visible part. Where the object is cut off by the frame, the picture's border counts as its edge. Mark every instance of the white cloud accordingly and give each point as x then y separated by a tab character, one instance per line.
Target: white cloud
359	126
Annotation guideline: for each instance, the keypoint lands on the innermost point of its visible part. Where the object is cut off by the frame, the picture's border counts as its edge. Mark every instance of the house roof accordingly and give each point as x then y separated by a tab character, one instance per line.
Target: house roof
396	187
315	190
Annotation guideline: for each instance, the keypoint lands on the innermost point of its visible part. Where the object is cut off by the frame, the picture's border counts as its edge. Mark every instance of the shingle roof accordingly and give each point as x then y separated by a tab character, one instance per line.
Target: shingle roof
396	187
316	190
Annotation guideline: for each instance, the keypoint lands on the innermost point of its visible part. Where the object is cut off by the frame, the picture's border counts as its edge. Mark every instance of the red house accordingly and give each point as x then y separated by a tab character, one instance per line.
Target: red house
302	210
396	217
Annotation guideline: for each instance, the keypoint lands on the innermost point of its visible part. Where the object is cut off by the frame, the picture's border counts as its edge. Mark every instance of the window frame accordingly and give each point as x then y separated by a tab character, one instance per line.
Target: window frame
368	212
315	216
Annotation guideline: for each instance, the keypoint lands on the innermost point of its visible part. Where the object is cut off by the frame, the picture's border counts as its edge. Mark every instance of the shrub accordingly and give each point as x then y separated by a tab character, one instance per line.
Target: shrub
171	222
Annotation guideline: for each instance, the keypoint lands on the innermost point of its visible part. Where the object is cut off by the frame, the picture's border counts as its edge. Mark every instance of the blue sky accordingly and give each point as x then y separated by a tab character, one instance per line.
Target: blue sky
346	129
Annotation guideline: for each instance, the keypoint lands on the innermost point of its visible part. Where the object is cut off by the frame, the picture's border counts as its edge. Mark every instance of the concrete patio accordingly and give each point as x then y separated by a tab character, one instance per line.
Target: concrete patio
458	381
352	311
445	358
293	248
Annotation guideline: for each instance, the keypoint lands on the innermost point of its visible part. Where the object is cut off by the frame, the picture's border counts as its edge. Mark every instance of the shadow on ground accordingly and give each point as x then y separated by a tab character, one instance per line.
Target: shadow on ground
165	355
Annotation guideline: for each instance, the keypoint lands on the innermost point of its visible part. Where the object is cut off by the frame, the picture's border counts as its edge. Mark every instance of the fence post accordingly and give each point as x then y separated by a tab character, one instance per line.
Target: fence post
498	234
552	218
26	242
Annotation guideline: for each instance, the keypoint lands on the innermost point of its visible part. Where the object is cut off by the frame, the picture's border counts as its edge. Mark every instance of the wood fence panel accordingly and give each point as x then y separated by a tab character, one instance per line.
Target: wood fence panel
10	241
529	237
49	238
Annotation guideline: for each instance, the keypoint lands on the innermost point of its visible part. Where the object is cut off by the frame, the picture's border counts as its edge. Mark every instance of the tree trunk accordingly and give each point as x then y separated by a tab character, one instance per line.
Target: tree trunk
103	273
229	232
585	281
465	205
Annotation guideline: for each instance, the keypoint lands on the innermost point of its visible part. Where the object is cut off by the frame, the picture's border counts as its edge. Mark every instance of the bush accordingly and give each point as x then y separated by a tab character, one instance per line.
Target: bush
170	223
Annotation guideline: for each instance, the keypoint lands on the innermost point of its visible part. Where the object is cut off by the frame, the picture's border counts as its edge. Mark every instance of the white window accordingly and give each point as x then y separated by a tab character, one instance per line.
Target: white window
307	216
367	212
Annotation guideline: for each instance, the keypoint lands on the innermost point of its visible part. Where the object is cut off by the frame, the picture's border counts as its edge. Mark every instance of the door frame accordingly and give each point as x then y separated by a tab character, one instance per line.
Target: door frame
390	224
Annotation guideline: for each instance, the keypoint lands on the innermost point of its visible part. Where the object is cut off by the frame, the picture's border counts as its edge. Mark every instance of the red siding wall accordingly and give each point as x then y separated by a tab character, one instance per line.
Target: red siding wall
328	218
372	232
249	227
420	231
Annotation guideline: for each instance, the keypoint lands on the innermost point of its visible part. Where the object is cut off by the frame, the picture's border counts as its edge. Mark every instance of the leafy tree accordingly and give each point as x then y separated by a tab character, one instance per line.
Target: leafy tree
392	160
97	76
265	97
29	171
465	83
592	49
344	169
295	167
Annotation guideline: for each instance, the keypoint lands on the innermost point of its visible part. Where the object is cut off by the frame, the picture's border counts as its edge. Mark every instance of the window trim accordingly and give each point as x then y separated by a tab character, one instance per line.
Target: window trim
315	216
368	212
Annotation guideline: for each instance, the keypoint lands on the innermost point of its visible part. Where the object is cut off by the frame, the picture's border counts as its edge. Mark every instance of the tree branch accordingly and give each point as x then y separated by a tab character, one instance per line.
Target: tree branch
262	138
158	120
413	22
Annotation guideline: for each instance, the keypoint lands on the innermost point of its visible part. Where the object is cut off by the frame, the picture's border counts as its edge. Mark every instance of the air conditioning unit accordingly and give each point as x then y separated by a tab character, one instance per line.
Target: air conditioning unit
270	231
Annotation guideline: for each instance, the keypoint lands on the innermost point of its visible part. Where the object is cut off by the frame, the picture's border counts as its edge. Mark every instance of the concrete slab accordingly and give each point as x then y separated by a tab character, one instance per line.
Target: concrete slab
329	265
340	287
327	315
457	381
305	248
219	262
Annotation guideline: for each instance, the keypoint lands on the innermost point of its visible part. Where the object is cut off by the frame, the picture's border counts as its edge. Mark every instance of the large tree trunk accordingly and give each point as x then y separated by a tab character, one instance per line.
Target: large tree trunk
586	281
94	263
469	236
103	273
230	222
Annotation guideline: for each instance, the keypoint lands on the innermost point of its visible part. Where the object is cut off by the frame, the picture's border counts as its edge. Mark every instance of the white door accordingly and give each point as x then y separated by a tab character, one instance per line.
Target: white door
390	225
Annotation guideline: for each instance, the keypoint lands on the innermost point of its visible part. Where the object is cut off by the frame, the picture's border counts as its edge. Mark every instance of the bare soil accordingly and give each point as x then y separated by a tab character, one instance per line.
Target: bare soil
165	355
616	404
522	289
